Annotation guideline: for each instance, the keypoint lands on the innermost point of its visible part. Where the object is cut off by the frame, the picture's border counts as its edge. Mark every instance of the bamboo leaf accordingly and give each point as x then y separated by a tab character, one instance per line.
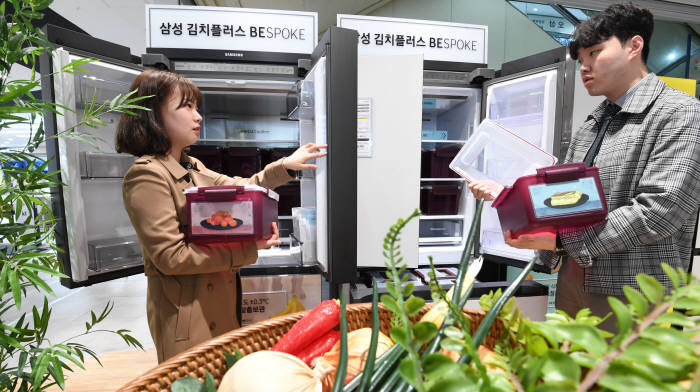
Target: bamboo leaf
16	291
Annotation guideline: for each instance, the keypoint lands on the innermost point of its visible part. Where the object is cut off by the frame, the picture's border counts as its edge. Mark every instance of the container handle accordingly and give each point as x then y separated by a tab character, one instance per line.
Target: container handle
219	189
565	172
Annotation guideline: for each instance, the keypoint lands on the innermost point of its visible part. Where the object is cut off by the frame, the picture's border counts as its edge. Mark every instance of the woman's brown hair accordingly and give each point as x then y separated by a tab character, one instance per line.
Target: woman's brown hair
143	133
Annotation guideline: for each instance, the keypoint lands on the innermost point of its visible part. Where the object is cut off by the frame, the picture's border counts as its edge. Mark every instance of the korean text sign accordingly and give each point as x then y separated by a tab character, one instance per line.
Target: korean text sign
440	41
226	28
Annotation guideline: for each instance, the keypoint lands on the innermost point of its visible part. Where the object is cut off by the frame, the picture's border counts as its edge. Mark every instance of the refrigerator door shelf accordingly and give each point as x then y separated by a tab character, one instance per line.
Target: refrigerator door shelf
104	165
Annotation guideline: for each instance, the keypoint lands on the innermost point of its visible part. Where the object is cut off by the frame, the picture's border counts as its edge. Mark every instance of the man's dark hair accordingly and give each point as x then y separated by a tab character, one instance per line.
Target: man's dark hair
143	133
623	21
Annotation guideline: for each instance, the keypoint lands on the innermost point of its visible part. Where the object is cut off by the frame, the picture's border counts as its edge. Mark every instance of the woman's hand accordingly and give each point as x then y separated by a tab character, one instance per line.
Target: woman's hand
271	241
485	189
297	161
544	241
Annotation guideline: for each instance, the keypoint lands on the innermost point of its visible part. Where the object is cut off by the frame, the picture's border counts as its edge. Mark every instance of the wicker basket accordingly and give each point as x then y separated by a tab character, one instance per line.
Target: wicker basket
261	336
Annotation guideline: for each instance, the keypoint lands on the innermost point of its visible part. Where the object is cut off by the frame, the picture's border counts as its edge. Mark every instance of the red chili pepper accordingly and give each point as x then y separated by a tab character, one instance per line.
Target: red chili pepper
317	322
319	346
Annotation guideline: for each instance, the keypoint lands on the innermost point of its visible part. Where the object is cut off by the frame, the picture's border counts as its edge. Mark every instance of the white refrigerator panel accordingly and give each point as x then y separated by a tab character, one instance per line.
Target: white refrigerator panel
527	107
317	76
388	181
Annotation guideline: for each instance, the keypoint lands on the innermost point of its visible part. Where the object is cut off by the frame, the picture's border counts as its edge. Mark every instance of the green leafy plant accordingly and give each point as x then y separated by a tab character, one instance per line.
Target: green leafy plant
28	254
563	353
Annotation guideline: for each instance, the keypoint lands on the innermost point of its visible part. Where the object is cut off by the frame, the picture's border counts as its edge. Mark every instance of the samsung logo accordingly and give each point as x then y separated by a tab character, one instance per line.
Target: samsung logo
232	54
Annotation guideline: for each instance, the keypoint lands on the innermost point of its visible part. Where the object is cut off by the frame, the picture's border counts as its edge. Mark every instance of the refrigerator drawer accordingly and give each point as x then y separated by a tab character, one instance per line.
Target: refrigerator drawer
435	163
241	161
210	156
441	231
104	165
114	253
440	199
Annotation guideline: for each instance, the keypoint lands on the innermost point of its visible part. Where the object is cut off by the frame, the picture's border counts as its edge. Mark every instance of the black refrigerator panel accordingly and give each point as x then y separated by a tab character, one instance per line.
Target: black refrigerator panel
327	113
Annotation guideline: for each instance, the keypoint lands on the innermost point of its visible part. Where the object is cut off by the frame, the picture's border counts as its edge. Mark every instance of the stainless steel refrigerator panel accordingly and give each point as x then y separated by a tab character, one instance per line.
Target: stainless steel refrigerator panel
105	165
267	296
114	253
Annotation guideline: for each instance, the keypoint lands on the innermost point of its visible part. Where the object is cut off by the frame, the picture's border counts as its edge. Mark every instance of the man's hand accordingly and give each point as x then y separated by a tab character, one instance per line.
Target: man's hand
297	161
543	241
271	241
485	189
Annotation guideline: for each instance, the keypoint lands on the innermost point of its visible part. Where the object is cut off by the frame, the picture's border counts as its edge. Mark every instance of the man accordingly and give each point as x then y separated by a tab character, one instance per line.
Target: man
645	140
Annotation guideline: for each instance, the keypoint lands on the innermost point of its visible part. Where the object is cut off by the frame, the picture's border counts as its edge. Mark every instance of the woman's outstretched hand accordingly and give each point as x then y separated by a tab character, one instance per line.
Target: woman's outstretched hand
297	161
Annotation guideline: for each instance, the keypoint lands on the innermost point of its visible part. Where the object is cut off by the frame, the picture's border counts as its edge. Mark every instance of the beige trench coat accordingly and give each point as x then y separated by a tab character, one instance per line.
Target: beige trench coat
193	290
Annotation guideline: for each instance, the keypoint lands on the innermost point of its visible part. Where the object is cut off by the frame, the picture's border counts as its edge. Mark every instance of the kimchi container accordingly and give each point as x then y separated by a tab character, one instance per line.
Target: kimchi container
230	213
563	196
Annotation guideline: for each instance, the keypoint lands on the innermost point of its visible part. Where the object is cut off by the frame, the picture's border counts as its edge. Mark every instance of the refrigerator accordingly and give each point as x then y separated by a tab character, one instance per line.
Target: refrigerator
534	97
256	102
260	108
93	227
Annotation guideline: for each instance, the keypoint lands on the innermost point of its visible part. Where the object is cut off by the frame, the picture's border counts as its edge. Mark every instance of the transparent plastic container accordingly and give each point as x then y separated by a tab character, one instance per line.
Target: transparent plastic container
497	154
304	220
230	213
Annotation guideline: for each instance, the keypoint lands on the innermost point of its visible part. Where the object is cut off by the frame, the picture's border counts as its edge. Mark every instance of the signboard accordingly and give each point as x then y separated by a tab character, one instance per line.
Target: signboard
226	28
440	41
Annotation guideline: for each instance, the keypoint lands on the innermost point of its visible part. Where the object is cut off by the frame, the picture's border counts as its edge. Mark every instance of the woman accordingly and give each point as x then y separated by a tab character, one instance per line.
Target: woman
194	291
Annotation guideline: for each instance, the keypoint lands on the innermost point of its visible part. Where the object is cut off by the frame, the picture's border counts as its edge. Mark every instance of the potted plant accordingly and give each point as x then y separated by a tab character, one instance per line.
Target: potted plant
28	361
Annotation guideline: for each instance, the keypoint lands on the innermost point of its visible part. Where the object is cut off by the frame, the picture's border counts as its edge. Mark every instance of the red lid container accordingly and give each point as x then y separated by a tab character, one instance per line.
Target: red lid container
439	199
241	161
435	163
210	156
562	196
230	213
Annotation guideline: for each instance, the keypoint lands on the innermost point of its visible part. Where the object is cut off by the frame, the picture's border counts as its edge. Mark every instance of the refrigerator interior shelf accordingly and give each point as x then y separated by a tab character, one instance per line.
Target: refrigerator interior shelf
440	217
459	179
438	240
292	141
443	141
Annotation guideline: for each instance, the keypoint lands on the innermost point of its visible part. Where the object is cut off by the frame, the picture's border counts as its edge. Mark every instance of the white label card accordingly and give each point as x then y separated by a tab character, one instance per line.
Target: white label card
262	306
364	127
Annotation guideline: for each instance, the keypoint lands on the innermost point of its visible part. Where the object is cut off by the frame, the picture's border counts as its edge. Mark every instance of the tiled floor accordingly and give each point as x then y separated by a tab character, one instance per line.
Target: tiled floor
71	309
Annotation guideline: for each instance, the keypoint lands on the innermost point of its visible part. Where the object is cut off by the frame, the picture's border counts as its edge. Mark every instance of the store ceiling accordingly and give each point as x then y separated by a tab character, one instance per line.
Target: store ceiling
687	11
327	9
